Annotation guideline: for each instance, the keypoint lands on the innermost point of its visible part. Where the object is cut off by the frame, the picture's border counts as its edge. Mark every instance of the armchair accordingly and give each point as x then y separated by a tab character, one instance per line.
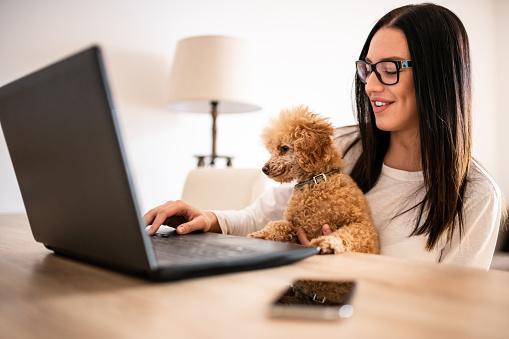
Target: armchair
225	188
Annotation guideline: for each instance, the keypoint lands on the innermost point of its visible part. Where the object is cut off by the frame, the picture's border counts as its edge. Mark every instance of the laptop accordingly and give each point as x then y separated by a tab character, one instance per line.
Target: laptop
65	145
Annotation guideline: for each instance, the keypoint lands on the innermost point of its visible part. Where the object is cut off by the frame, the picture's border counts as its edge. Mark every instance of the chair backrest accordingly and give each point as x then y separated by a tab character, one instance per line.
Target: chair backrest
228	188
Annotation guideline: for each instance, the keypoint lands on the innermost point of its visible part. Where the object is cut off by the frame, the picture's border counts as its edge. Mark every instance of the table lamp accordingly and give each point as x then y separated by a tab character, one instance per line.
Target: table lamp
211	74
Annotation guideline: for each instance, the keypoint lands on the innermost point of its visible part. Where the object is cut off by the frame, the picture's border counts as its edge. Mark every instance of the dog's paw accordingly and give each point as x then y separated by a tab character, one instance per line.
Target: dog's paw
258	235
329	244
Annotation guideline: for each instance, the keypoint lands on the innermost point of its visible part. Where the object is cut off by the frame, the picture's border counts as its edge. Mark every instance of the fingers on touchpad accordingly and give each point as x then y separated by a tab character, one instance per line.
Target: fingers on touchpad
163	231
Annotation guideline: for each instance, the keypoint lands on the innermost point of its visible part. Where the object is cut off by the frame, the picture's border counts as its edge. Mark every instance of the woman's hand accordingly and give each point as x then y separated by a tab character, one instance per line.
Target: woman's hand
196	220
304	239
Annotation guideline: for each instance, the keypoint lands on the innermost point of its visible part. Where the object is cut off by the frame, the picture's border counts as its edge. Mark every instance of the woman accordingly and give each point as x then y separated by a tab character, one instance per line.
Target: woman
410	153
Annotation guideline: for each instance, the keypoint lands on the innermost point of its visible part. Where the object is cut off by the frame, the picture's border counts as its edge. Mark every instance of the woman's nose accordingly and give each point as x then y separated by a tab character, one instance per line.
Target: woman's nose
373	85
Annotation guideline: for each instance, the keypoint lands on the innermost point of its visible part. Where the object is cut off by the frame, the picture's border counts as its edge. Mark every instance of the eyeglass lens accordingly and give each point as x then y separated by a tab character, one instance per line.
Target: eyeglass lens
386	71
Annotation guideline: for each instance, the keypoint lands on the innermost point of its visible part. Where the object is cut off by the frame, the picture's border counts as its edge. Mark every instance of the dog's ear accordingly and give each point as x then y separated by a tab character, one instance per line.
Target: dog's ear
313	146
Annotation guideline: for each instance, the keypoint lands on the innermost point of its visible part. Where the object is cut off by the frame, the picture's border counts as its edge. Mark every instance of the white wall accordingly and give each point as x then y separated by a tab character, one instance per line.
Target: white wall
305	52
501	93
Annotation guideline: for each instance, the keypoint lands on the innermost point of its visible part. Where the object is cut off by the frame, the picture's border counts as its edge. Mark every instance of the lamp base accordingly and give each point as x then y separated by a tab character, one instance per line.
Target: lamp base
210	160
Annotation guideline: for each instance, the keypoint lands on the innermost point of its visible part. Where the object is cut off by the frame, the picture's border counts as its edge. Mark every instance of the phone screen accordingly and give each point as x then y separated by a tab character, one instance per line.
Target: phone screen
316	299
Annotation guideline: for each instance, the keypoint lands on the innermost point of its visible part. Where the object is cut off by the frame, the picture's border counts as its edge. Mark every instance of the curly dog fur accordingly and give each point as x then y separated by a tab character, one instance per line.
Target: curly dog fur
301	147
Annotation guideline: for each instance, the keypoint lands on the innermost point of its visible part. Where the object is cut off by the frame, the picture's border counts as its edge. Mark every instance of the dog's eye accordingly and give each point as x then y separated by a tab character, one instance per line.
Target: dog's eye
284	149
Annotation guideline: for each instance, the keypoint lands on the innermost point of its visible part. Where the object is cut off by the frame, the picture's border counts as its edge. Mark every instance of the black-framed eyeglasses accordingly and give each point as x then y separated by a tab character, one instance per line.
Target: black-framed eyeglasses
387	71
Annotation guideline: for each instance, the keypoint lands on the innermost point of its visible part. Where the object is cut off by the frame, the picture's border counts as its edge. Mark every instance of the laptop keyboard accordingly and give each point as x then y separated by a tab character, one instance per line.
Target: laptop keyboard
194	248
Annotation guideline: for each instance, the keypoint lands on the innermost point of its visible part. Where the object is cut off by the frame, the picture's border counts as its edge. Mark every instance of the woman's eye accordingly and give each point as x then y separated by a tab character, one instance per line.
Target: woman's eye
284	149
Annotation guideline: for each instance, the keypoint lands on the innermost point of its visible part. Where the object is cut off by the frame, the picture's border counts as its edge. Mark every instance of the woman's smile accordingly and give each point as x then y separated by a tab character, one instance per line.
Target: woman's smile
379	104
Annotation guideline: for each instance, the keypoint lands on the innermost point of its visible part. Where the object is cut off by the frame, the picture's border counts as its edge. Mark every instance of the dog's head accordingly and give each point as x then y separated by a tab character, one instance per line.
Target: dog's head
300	144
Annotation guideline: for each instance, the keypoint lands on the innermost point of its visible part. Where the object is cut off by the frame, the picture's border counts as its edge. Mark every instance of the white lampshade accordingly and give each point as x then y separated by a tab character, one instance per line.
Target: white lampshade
212	68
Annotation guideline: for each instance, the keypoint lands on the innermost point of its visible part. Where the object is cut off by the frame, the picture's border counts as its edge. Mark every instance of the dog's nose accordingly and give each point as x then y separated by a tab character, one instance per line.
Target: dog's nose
265	169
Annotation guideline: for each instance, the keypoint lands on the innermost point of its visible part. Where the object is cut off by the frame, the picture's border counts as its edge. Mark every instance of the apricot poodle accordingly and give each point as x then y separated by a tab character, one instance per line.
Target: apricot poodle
302	150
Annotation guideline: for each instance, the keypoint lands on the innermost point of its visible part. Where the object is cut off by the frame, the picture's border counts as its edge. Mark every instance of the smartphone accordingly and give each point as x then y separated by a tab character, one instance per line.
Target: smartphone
315	299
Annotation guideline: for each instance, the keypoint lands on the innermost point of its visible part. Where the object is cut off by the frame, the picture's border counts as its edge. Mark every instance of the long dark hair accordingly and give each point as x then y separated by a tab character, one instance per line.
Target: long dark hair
439	48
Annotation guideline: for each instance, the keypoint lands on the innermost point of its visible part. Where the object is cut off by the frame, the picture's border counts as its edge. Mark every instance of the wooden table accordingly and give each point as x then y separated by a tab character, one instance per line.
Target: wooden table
46	296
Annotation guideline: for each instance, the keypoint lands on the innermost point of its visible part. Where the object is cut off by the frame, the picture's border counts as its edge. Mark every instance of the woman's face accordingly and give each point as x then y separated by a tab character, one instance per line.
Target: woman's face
399	110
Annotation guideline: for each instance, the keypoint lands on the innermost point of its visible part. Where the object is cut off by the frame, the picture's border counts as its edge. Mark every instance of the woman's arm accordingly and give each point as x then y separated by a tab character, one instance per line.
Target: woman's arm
269	206
482	221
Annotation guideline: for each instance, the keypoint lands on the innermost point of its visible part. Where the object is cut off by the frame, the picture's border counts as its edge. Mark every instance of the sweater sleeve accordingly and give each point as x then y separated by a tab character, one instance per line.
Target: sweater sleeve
269	206
482	214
